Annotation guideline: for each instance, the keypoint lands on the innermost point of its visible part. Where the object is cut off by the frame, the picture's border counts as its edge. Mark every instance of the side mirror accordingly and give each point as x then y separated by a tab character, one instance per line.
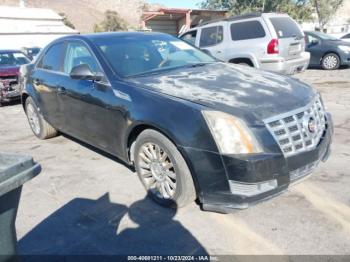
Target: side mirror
84	72
315	42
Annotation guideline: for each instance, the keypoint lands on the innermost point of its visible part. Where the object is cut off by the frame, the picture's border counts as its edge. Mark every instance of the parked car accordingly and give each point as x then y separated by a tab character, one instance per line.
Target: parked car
327	51
271	41
31	52
10	62
192	126
346	37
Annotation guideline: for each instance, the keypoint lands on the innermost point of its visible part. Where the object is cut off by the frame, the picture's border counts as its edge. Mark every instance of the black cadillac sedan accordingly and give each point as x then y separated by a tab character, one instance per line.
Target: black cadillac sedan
192	126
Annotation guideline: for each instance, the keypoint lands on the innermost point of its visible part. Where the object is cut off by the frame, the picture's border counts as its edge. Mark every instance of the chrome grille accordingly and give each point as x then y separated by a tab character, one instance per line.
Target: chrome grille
293	130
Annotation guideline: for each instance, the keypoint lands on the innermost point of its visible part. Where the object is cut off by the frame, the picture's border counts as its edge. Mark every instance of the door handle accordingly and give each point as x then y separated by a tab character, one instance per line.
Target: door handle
61	90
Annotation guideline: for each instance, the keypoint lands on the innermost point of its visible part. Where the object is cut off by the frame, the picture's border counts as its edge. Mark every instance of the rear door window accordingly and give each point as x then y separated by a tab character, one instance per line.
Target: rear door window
285	27
211	36
190	37
346	36
247	30
52	59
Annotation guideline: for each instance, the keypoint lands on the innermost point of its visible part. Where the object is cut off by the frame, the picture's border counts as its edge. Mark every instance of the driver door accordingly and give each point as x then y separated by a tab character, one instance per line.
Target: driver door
86	109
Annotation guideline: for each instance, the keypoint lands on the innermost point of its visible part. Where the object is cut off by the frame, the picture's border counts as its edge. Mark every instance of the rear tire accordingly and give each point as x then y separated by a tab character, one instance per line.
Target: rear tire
162	170
330	61
41	128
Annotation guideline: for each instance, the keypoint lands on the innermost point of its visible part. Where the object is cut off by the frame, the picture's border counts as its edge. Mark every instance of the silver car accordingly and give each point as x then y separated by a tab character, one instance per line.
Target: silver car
268	41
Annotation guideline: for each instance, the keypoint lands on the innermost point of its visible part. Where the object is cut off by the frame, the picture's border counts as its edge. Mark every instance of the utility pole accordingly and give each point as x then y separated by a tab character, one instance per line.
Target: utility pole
22	3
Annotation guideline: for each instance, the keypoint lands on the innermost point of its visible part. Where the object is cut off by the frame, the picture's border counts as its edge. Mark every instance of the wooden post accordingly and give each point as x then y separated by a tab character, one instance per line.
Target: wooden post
188	20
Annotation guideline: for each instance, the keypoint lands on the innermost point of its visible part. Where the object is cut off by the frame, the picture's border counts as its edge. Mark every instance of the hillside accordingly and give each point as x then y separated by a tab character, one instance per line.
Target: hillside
85	13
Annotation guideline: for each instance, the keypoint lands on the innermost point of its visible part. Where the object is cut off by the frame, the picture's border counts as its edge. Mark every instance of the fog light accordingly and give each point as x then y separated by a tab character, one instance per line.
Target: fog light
252	189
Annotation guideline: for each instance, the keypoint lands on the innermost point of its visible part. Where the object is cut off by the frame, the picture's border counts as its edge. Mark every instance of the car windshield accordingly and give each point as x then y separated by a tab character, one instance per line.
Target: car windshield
13	59
324	36
138	54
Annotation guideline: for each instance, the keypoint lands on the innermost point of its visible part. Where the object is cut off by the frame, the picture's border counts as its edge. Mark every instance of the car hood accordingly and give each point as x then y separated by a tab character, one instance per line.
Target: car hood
9	70
238	90
337	42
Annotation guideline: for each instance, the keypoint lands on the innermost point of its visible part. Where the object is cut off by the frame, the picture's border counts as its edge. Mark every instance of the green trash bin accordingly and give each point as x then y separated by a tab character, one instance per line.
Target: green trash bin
15	170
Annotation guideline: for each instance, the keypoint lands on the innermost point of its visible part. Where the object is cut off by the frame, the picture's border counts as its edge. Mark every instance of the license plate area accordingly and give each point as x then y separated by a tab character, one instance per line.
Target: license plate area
294	49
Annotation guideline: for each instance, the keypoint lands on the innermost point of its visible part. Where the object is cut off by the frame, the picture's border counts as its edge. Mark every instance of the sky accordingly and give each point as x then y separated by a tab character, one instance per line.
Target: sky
177	3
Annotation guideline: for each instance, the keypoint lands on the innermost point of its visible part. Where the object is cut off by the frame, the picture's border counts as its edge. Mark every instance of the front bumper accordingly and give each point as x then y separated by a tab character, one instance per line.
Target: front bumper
9	95
289	67
217	194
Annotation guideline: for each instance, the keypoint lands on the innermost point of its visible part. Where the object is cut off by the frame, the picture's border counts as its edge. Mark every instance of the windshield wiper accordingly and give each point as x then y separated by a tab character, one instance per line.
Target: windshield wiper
160	70
154	71
198	64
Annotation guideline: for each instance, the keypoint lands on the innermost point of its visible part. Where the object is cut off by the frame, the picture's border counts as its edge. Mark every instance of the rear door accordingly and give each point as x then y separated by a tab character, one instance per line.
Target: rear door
212	39
249	39
290	37
46	77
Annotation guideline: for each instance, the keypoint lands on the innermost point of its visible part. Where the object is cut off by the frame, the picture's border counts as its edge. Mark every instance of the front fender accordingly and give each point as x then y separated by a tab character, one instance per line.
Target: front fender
180	120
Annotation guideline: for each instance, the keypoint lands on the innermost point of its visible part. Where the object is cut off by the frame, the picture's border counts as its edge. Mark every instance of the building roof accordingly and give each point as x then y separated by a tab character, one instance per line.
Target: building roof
174	10
162	11
28	13
20	20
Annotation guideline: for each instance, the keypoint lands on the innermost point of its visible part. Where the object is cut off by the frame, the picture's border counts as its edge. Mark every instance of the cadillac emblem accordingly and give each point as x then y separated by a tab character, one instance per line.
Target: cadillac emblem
311	125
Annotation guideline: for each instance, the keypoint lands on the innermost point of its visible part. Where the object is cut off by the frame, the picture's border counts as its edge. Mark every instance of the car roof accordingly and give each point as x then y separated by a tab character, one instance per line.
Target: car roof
242	17
120	35
10	51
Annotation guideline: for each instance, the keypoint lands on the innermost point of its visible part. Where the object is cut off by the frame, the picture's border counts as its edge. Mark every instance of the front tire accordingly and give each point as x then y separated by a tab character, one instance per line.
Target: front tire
162	170
41	128
330	61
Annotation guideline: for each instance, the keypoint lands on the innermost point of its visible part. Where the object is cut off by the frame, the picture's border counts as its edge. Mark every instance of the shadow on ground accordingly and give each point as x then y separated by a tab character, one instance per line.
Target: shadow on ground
10	104
87	227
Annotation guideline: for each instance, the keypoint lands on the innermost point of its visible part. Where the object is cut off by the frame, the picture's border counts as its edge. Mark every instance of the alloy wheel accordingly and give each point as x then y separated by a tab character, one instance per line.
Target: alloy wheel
33	119
157	171
330	62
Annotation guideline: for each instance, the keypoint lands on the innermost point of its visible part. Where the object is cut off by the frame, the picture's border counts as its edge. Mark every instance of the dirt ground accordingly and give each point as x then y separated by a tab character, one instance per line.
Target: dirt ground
86	203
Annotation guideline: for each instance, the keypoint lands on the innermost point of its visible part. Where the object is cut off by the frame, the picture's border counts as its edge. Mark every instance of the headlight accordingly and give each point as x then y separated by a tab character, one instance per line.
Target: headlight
344	48
231	134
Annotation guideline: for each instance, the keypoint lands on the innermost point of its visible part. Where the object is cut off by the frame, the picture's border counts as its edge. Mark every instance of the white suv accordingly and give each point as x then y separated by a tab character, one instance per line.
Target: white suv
268	41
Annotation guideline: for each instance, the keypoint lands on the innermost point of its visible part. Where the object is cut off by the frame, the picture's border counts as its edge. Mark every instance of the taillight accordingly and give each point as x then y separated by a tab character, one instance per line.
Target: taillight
272	47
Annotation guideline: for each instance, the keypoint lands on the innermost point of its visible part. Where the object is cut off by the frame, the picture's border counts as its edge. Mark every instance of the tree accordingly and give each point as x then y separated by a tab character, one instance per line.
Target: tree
112	22
66	21
325	10
298	9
